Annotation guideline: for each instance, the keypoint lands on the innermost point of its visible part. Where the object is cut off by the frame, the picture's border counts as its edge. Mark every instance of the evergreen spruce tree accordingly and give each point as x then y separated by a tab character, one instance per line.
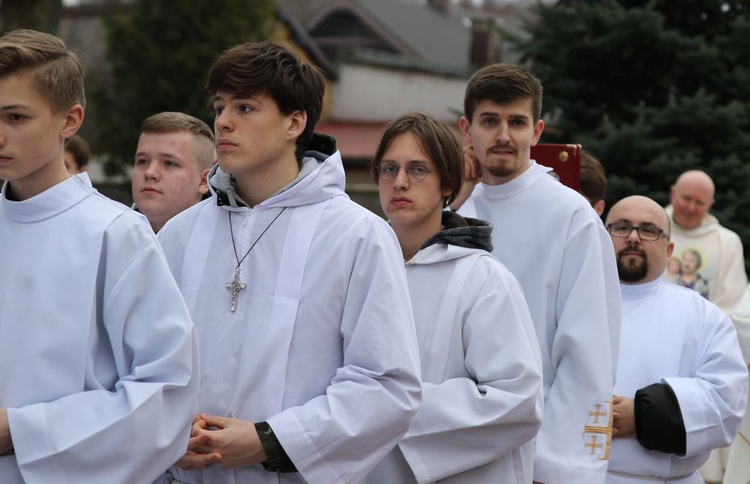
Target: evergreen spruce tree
42	15
160	53
652	88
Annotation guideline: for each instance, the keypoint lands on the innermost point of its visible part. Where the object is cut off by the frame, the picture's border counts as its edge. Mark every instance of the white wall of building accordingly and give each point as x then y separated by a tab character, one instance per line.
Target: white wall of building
373	93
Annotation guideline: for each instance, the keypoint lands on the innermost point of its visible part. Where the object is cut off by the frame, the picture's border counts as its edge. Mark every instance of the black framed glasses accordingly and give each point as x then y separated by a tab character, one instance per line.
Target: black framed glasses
388	171
645	232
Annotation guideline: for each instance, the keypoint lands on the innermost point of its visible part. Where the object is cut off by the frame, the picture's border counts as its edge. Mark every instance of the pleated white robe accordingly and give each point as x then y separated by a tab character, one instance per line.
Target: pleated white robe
553	242
481	370
670	334
322	344
98	365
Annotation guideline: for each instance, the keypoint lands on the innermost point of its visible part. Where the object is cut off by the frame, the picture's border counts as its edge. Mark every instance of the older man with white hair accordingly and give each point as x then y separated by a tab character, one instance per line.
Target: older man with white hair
695	231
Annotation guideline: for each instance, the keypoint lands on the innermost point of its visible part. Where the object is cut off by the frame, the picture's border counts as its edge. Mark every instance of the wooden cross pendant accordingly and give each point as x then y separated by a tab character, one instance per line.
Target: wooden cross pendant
235	287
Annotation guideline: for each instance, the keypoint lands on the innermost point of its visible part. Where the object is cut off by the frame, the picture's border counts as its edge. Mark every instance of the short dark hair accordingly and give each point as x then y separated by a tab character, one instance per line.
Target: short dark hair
593	178
80	150
56	72
437	140
270	68
503	84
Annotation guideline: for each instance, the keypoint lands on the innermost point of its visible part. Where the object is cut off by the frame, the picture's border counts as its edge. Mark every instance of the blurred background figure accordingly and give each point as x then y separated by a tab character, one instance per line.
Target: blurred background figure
77	154
715	249
593	182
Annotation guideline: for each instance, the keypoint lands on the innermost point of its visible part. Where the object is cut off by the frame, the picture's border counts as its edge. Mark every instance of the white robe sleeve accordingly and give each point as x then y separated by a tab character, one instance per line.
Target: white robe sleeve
131	429
464	423
583	357
713	403
731	274
741	319
372	399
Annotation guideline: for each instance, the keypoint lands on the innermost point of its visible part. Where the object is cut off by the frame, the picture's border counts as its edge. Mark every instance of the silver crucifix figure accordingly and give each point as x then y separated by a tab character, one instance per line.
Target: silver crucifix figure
235	287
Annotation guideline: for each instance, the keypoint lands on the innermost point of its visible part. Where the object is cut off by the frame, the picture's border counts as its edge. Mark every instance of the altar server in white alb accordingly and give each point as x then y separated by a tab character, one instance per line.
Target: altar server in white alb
555	245
98	358
681	380
481	365
310	362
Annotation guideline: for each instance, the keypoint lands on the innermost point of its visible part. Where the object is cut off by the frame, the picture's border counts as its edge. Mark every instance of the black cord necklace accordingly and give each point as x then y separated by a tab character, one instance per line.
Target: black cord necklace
236	284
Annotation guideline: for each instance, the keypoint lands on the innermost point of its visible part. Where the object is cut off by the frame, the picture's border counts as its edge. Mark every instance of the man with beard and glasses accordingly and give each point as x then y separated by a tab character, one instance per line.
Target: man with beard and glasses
556	246
681	379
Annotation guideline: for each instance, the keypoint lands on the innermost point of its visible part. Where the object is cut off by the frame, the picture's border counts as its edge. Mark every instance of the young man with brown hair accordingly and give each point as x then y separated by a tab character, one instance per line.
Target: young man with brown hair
307	339
97	346
175	152
552	241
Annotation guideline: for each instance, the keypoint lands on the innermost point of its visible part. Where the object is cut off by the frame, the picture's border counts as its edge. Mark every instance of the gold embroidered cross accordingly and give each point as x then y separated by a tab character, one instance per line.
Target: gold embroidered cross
593	445
597	413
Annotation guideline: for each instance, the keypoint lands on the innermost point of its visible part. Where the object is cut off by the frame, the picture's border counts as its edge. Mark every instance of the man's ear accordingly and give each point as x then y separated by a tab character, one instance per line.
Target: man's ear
599	207
464	125
538	128
297	125
203	186
73	121
670	249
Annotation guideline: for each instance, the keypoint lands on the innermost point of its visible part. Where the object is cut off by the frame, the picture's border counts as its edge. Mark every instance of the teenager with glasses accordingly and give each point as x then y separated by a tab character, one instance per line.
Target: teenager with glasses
481	364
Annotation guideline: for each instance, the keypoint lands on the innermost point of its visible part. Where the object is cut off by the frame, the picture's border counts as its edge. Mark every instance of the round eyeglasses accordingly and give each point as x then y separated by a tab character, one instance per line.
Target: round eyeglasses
645	232
388	171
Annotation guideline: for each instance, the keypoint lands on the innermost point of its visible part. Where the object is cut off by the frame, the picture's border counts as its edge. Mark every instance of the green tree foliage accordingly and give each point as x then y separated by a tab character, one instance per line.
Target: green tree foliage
160	53
42	15
652	88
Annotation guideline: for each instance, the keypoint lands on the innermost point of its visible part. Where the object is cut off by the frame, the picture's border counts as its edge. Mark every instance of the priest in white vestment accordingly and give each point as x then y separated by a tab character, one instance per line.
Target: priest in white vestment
681	382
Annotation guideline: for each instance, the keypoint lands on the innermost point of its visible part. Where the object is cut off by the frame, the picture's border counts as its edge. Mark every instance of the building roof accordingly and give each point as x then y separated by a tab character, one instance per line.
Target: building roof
436	36
302	38
414	31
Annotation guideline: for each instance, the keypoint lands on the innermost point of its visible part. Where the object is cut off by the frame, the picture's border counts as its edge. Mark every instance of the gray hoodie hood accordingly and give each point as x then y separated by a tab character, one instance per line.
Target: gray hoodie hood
462	232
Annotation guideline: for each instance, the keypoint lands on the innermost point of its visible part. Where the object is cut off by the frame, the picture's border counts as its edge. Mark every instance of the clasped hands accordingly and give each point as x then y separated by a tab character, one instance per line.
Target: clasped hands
230	442
623	417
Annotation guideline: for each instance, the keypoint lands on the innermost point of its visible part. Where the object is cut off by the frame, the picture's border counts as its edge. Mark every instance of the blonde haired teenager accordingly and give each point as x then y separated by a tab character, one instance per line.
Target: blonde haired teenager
98	350
174	154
